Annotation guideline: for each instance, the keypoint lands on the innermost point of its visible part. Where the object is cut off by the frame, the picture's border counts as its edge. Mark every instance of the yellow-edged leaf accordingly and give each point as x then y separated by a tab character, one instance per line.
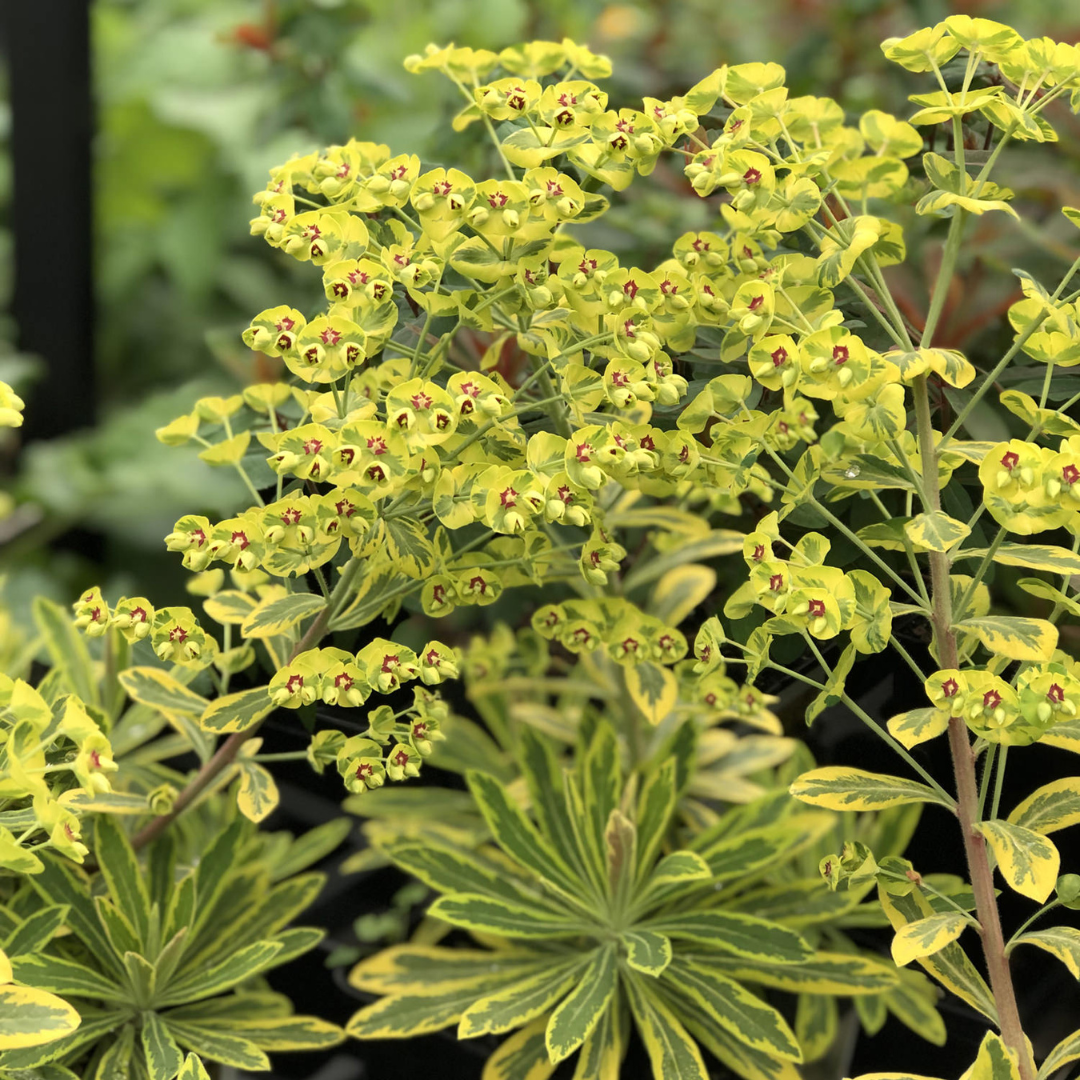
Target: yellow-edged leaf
924	937
1028	862
1060	941
273	617
258	794
838	787
680	590
1018	639
1053	806
918	726
30	1017
935	531
237	712
159	690
653	690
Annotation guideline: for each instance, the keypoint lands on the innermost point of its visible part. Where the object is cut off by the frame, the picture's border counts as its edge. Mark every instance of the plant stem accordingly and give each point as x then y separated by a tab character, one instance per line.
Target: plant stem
963	758
226	753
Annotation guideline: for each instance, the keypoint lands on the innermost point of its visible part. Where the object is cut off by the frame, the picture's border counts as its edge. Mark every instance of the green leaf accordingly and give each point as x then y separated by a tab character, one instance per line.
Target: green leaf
230	607
235	968
215	1044
1053	806
673	1053
192	1069
824	973
520	1002
995	1061
834	684
924	937
60	975
580	1011
66	648
404	969
61	883
817	1021
31	1017
677	868
652	689
935	531
237	712
647	951
35	931
94	1025
1060	941
913	1002
679	591
1066	1051
718	542
1054	560
523	1056
950	966
917	726
1028	862
272	617
512	830
841	788
159	690
163	1056
656	804
740	1012
408	546
122	874
490	915
1015	638
449	869
288	1033
733	932
258	795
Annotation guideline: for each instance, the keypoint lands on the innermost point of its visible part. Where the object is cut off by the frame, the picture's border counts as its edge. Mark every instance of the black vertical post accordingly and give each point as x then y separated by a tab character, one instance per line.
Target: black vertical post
47	44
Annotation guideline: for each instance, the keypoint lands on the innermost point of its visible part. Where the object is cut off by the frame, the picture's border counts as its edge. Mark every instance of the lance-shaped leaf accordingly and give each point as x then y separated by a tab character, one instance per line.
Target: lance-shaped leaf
60	975
580	1011
1053	806
673	1054
913	1002
67	650
1060	941
1015	638
237	712
512	830
823	973
740	1012
522	1001
192	1069
124	877
214	1044
163	1057
30	1017
413	968
273	617
288	1032
159	690
490	915
524	1054
738	934
841	788
817	1021
924	937
1054	560
950	965
1066	1051
243	964
1028	862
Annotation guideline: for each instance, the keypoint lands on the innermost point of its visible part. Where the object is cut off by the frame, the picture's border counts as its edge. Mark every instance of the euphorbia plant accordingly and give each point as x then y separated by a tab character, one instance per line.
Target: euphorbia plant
487	401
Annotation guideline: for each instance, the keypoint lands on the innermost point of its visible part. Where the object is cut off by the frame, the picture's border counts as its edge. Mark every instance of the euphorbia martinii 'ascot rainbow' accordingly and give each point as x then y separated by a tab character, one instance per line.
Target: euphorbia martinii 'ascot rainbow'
407	459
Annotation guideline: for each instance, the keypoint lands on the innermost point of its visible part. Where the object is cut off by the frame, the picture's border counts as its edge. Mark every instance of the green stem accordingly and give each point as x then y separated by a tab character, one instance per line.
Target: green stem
987	773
